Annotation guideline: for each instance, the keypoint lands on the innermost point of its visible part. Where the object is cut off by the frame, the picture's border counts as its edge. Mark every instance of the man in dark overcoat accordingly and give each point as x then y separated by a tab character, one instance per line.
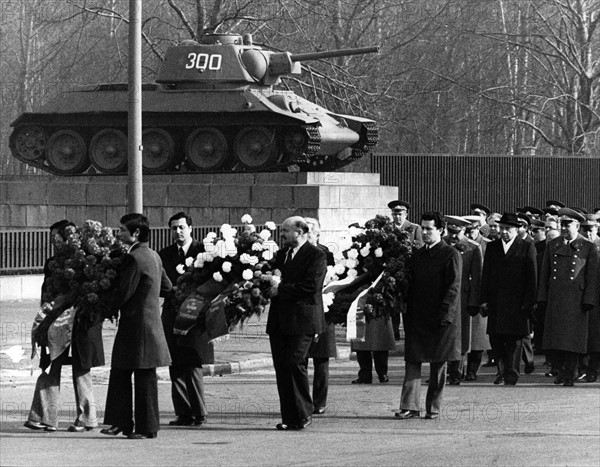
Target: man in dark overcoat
508	289
568	291
295	318
140	345
189	352
432	319
323	347
472	262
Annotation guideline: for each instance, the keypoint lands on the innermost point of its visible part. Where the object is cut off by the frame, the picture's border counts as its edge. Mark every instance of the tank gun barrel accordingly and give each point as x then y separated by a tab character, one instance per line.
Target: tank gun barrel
333	53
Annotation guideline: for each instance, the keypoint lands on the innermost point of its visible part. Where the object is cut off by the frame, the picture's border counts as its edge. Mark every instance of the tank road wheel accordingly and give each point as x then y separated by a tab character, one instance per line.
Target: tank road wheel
66	152
158	154
108	151
255	148
206	149
295	142
28	143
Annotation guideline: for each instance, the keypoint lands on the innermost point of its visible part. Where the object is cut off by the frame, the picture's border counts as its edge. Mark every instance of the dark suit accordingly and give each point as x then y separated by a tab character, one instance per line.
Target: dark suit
188	352
433	297
508	286
321	351
140	345
295	316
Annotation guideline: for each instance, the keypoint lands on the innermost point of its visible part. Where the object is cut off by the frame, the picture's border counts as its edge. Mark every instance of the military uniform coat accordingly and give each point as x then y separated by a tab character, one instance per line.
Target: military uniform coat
193	349
508	286
568	280
415	234
140	341
433	296
472	263
594	317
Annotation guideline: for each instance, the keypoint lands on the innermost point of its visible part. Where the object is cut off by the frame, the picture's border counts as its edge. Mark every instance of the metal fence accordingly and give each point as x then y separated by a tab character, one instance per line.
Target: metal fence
24	251
450	183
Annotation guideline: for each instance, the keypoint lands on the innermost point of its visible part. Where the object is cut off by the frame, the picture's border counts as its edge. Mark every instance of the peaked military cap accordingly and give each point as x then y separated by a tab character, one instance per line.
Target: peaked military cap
399	205
484	208
568	214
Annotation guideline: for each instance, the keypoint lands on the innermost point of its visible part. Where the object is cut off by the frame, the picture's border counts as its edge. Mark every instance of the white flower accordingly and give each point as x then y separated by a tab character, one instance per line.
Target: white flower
210	237
275	280
208	257
225	228
345	243
180	268
378	252
338	255
246	219
247	274
189	261
267	255
217	276
271	246
226	266
352	253
199	261
364	252
352	273
270	225
351	263
257	246
277	272
265	234
339	268
327	300
253	261
230	248
244	258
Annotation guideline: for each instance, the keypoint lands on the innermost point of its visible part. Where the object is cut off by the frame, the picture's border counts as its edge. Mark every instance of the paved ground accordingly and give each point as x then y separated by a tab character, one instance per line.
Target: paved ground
533	423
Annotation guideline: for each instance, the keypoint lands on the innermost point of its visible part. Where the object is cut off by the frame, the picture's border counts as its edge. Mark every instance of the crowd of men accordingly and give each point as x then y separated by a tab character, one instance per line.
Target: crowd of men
512	276
483	281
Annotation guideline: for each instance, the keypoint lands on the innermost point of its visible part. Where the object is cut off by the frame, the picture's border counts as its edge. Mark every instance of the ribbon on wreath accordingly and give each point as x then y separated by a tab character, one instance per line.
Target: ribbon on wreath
356	322
196	308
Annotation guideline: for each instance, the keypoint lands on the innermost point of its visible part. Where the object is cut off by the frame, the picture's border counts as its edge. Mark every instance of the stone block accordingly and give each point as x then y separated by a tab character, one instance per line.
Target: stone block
37	217
360	197
106	194
340	178
306	196
192	178
17	216
229	196
276	178
77	214
95	213
233	179
272	196
329	196
188	195
114	213
156	216
56	213
215	216
3	195
10	288
66	193
26	192
155	194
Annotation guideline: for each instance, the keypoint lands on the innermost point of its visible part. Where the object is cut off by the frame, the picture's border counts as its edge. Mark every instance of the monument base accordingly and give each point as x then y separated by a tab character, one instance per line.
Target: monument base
337	199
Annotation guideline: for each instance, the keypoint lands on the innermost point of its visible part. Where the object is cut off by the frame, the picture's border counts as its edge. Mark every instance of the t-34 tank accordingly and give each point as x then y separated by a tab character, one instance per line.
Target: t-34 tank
213	108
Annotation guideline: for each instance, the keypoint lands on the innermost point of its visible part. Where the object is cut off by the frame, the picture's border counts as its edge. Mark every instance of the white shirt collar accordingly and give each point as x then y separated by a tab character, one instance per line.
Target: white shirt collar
507	245
185	247
131	247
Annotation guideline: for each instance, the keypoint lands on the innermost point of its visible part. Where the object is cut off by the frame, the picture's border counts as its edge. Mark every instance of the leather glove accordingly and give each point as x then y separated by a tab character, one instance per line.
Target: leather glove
473	310
587	307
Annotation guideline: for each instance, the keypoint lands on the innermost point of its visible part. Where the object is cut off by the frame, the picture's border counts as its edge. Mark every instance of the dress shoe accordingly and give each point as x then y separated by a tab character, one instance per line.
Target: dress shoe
551	373
361	381
529	368
319	410
304	423
499	379
431	416
201	420
590	378
34	425
511	382
470	377
454	381
568	382
79	429
384	379
582	377
141	435
407	414
114	431
559	379
182	421
284	427
489	363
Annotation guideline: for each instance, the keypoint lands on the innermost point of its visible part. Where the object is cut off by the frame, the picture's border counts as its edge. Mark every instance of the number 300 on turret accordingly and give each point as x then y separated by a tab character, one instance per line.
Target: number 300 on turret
203	61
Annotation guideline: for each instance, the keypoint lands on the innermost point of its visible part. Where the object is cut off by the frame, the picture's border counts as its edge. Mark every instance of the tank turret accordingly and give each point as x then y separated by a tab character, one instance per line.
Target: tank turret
213	108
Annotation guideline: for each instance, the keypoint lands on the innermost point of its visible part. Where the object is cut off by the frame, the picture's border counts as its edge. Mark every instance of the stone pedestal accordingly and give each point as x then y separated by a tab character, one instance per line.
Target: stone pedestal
336	199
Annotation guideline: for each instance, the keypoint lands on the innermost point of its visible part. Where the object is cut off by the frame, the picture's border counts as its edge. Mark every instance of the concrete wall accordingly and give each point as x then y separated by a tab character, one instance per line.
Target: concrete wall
336	198
20	287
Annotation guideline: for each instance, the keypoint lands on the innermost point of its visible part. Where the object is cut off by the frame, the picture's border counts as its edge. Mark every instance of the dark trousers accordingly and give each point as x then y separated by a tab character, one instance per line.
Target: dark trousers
411	388
455	368
119	400
320	381
187	391
365	359
507	351
527	351
565	362
289	359
474	358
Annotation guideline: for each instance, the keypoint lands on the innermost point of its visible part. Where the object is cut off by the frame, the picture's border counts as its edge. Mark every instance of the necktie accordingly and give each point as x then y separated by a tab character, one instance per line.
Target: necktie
181	256
288	256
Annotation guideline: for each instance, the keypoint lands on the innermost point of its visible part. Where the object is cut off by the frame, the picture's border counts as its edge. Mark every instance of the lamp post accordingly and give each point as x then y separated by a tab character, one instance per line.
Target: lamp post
134	108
